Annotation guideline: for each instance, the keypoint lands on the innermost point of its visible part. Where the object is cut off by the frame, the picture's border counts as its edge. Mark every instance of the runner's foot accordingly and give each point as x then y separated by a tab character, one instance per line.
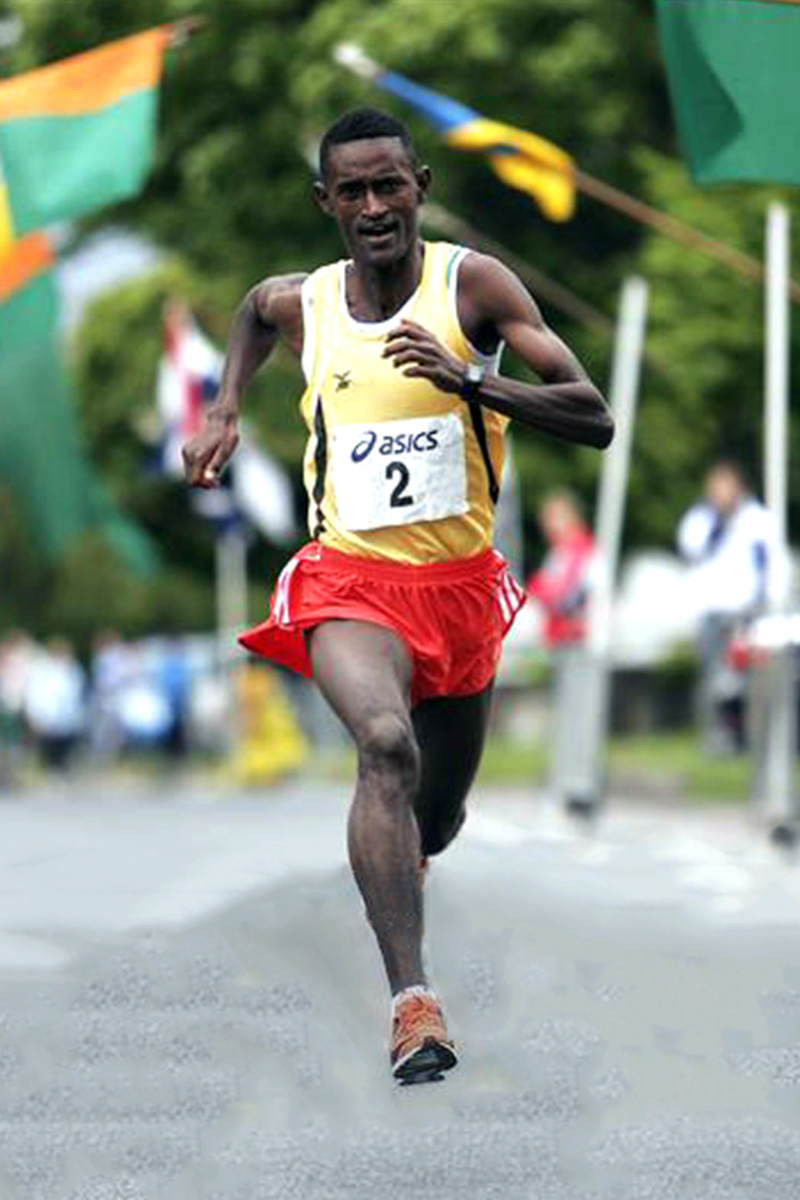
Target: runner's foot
421	1048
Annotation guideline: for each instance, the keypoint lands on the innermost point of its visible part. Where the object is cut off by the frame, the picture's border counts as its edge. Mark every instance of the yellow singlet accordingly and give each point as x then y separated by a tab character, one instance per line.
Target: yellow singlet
394	467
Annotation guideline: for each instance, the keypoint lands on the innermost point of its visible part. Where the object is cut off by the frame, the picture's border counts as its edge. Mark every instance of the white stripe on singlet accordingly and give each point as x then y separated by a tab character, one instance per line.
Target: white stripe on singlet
309	328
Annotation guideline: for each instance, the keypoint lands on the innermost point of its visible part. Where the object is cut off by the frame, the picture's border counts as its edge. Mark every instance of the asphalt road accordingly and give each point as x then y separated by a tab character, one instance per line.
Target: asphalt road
191	1007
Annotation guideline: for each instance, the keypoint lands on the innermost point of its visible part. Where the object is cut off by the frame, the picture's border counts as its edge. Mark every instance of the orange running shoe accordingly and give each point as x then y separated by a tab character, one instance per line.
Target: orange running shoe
421	1048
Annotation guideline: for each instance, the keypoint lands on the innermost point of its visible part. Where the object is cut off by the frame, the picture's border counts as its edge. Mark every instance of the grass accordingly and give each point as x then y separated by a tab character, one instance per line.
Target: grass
680	756
637	764
663	763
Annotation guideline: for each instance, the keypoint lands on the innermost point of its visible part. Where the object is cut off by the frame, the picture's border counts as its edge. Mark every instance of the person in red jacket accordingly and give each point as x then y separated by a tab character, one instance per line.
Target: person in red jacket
561	584
561	588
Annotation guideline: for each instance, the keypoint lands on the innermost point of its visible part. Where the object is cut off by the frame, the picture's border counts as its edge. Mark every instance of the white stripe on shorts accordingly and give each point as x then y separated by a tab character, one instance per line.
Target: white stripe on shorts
510	596
282	613
502	599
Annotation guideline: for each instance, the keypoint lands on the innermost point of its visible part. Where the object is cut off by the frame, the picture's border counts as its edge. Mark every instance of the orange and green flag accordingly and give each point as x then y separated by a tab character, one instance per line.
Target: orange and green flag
79	133
43	461
733	68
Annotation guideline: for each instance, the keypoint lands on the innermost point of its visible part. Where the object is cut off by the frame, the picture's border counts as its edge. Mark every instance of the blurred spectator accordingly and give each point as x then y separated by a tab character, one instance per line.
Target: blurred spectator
560	585
109	673
175	681
17	654
561	588
727	537
143	709
55	703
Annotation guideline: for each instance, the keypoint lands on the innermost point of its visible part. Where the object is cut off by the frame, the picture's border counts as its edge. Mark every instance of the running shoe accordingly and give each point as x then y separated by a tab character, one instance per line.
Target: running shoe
421	1048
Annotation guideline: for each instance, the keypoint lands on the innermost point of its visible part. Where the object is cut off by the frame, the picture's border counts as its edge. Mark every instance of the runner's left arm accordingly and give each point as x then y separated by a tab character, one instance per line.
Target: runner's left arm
494	306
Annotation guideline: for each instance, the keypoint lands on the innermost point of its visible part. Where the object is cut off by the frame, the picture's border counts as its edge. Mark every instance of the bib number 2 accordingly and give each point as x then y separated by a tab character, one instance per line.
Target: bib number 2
400	472
399	497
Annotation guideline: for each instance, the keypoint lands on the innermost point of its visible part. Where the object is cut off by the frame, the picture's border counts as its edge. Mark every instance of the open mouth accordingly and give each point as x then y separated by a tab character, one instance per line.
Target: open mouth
378	233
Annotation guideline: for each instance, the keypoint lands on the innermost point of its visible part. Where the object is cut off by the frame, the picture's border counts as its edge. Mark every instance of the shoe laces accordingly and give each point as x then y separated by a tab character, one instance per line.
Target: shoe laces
416	1016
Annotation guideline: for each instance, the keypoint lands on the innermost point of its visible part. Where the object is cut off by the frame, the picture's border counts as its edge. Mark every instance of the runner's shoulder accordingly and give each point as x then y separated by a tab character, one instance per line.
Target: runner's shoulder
481	271
489	290
278	299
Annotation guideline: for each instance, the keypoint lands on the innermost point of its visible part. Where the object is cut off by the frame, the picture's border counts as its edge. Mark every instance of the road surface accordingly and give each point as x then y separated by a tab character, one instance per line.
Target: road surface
191	1006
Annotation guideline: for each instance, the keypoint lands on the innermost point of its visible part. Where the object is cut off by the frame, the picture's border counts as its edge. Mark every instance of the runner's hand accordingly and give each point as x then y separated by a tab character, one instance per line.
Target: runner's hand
424	357
205	455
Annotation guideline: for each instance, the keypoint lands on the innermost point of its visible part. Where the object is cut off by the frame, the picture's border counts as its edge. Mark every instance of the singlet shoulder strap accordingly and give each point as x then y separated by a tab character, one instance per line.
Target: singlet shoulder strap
479	426
455	255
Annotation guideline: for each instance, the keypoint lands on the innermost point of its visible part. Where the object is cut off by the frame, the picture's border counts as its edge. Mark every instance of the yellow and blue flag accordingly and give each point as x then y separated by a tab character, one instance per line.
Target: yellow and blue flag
521	159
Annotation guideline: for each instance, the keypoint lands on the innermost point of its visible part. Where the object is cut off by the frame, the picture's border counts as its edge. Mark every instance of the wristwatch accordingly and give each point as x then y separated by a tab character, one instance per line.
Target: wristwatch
473	378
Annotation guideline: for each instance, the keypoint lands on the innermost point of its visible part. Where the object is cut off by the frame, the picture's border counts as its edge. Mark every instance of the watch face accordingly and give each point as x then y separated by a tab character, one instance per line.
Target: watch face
474	373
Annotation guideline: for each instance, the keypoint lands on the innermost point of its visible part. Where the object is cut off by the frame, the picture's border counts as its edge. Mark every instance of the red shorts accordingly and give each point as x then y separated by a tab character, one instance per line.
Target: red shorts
452	616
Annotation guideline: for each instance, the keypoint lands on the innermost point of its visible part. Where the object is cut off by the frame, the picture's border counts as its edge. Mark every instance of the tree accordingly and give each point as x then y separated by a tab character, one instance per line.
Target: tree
229	202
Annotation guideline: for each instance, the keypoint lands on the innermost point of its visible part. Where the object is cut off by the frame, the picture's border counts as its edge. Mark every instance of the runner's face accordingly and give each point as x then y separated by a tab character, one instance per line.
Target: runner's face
374	193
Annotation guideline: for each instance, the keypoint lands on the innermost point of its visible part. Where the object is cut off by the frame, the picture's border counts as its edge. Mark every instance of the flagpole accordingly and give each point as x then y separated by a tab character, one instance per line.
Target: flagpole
678	231
776	386
774	787
589	722
623	393
181	31
230	553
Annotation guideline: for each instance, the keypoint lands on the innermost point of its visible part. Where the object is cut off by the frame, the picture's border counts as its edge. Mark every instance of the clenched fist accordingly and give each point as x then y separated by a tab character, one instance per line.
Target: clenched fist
205	455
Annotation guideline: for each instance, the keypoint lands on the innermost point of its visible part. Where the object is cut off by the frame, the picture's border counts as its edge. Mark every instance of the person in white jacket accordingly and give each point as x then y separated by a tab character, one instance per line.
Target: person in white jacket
728	537
55	699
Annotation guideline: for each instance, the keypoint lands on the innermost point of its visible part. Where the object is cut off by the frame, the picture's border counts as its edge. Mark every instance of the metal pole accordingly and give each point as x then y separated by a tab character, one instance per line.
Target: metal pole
774	790
231	589
623	392
586	783
776	386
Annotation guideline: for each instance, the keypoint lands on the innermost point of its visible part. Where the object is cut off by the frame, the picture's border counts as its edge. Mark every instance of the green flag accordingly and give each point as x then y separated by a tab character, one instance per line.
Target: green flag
42	459
79	133
733	68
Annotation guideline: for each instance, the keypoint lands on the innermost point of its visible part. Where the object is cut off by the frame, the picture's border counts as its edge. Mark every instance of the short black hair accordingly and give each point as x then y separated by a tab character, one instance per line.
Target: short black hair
360	124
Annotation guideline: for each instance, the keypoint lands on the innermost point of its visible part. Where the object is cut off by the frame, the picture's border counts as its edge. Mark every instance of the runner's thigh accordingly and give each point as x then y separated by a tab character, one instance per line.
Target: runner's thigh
362	670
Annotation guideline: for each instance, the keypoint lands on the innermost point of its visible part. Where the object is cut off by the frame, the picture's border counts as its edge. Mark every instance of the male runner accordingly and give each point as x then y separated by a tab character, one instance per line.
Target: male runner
399	604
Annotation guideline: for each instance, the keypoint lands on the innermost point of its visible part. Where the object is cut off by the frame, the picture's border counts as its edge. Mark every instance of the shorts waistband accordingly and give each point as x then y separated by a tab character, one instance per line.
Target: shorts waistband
408	573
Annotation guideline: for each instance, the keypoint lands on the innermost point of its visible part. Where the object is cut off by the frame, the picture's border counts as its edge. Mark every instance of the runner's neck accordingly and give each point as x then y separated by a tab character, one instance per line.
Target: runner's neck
376	295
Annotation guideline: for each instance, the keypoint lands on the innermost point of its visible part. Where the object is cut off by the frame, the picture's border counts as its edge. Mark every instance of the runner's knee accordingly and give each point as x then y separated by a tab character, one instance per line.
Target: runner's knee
387	746
437	834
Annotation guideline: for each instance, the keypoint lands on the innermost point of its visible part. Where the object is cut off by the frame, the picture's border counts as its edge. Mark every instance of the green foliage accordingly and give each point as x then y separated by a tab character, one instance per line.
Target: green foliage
229	201
91	588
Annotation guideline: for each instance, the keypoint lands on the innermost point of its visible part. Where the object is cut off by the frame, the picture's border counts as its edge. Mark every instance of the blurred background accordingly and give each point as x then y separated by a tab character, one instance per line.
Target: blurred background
192	1006
116	625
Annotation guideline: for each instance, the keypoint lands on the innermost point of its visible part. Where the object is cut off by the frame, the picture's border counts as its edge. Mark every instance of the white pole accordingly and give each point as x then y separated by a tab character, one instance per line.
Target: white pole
583	775
623	392
774	788
231	589
776	387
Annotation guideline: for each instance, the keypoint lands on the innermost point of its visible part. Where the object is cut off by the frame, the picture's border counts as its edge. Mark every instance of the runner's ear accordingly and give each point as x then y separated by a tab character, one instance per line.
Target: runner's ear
423	177
322	197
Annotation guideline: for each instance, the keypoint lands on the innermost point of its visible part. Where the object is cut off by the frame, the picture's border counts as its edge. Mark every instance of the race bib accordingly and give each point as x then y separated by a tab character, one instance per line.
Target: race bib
399	472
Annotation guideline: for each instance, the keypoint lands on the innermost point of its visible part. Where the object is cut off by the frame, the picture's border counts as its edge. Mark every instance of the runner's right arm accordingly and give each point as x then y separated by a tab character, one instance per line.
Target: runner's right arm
269	309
